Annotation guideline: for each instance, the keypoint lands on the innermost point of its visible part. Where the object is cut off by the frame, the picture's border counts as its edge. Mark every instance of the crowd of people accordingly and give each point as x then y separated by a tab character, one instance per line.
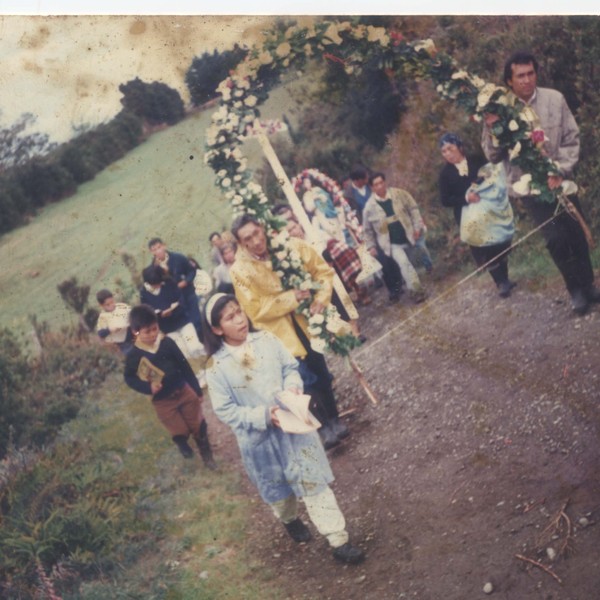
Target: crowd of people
251	347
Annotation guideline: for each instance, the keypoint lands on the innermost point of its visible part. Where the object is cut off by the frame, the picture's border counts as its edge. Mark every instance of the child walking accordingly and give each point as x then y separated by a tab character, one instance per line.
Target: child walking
156	366
245	374
113	322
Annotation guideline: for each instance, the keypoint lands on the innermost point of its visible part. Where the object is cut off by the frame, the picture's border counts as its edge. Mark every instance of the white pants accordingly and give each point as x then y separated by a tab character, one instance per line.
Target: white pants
409	273
187	341
323	511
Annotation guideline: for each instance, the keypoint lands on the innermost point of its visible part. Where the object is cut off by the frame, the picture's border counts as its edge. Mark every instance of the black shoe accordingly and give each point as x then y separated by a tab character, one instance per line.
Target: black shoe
394	298
183	446
579	302
504	288
348	554
298	531
328	437
338	428
592	293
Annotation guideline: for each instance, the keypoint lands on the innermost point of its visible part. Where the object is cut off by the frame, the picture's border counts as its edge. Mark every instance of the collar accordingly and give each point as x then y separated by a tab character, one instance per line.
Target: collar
150	348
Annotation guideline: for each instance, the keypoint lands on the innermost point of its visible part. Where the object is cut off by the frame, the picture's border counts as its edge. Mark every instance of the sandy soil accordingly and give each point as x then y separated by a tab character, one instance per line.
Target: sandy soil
484	447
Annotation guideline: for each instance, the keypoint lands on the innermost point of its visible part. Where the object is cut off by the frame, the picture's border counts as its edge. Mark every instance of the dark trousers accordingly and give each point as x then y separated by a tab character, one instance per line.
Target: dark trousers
392	277
317	380
193	310
498	268
566	243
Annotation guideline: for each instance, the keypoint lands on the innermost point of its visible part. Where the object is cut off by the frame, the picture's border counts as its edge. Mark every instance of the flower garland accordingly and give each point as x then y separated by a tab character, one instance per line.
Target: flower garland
352	45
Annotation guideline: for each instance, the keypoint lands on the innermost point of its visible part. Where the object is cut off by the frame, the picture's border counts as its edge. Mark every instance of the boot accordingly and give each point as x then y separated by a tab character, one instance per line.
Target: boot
298	531
348	554
340	430
204	447
182	443
328	437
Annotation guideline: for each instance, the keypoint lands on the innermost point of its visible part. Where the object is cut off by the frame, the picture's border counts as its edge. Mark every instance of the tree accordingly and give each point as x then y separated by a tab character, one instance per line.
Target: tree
154	102
17	147
208	70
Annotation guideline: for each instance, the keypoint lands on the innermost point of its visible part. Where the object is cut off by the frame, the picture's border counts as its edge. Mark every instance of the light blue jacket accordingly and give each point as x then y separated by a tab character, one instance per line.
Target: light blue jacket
279	464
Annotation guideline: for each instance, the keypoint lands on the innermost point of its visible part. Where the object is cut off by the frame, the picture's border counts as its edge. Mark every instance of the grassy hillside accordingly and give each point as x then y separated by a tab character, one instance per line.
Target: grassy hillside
162	188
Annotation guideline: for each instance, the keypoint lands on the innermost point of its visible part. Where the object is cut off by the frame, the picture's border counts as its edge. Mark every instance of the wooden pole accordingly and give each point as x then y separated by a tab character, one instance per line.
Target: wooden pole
298	208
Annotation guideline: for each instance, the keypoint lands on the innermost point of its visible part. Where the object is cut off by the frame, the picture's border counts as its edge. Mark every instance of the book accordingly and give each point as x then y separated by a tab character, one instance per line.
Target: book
146	371
293	413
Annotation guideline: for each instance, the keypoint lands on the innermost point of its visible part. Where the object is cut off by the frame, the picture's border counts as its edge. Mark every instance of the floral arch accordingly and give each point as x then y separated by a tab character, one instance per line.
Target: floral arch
354	45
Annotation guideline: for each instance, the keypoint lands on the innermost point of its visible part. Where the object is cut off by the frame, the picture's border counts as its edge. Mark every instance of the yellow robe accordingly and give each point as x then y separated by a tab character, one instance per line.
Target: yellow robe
270	307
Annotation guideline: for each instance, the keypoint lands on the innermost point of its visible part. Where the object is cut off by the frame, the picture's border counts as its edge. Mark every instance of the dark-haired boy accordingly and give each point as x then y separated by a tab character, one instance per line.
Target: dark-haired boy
113	321
155	366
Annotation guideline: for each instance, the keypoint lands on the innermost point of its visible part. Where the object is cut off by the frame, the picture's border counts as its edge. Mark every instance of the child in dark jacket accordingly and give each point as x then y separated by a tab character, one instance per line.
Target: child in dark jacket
156	366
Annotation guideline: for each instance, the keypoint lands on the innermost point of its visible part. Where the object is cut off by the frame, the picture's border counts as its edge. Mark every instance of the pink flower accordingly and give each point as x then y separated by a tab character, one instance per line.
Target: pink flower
537	136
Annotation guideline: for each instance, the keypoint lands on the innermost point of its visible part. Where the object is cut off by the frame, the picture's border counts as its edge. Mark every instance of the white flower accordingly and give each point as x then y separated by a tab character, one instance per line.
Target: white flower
477	82
335	325
316	319
221	172
306	285
331	35
426	45
281	255
377	34
521	187
318	345
514	151
314	331
568	187
226	182
285	264
251	101
283	49
460	75
279	274
513	125
237	200
485	94
265	58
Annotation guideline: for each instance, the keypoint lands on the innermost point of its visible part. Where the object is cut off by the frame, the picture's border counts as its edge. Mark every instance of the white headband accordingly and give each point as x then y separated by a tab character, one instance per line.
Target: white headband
210	305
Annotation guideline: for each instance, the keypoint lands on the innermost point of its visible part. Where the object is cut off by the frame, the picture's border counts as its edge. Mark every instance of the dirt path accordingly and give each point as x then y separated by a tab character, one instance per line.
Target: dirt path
487	425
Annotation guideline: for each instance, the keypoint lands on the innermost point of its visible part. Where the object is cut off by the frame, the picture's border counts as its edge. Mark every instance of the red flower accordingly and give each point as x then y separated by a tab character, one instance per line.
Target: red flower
537	136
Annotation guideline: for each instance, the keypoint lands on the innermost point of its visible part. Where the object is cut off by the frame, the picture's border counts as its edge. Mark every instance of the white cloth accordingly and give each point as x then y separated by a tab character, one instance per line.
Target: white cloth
187	341
323	511
409	273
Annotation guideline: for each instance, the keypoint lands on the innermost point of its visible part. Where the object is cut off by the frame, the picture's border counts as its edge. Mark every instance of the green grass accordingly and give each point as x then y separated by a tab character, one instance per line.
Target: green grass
156	190
187	520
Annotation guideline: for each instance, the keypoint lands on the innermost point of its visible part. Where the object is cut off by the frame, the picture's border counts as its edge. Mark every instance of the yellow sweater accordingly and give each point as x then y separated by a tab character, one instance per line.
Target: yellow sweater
270	307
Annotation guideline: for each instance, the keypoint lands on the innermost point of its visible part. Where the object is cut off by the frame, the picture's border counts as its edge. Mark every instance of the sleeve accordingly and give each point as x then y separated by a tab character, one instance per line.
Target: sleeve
414	212
368	230
448	193
102	326
131	377
261	304
568	151
493	153
227	409
291	374
184	366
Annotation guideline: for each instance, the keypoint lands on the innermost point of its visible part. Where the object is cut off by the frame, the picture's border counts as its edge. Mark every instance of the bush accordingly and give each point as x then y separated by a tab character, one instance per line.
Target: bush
154	102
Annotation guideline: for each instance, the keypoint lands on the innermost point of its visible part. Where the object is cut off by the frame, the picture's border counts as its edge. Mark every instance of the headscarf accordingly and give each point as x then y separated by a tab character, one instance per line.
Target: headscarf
451	138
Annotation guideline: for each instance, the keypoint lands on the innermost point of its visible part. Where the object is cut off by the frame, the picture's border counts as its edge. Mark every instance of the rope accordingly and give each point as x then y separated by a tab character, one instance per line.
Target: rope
427	305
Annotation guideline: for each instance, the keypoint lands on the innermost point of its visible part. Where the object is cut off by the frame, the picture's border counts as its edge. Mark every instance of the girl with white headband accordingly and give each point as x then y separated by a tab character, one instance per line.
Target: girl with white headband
247	372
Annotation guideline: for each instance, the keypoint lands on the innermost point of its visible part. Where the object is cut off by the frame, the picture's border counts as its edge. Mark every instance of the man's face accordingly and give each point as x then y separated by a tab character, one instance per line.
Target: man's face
252	237
216	241
159	250
379	187
360	183
523	80
228	256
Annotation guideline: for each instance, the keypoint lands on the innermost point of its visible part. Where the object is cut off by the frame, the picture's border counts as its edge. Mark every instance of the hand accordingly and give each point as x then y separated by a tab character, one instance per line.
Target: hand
272	414
373	251
489	119
417	234
554	181
302	294
183	283
167	311
316	308
155	387
472	197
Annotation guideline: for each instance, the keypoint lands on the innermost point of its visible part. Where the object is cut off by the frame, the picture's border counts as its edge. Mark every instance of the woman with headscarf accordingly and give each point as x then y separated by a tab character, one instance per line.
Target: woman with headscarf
477	193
